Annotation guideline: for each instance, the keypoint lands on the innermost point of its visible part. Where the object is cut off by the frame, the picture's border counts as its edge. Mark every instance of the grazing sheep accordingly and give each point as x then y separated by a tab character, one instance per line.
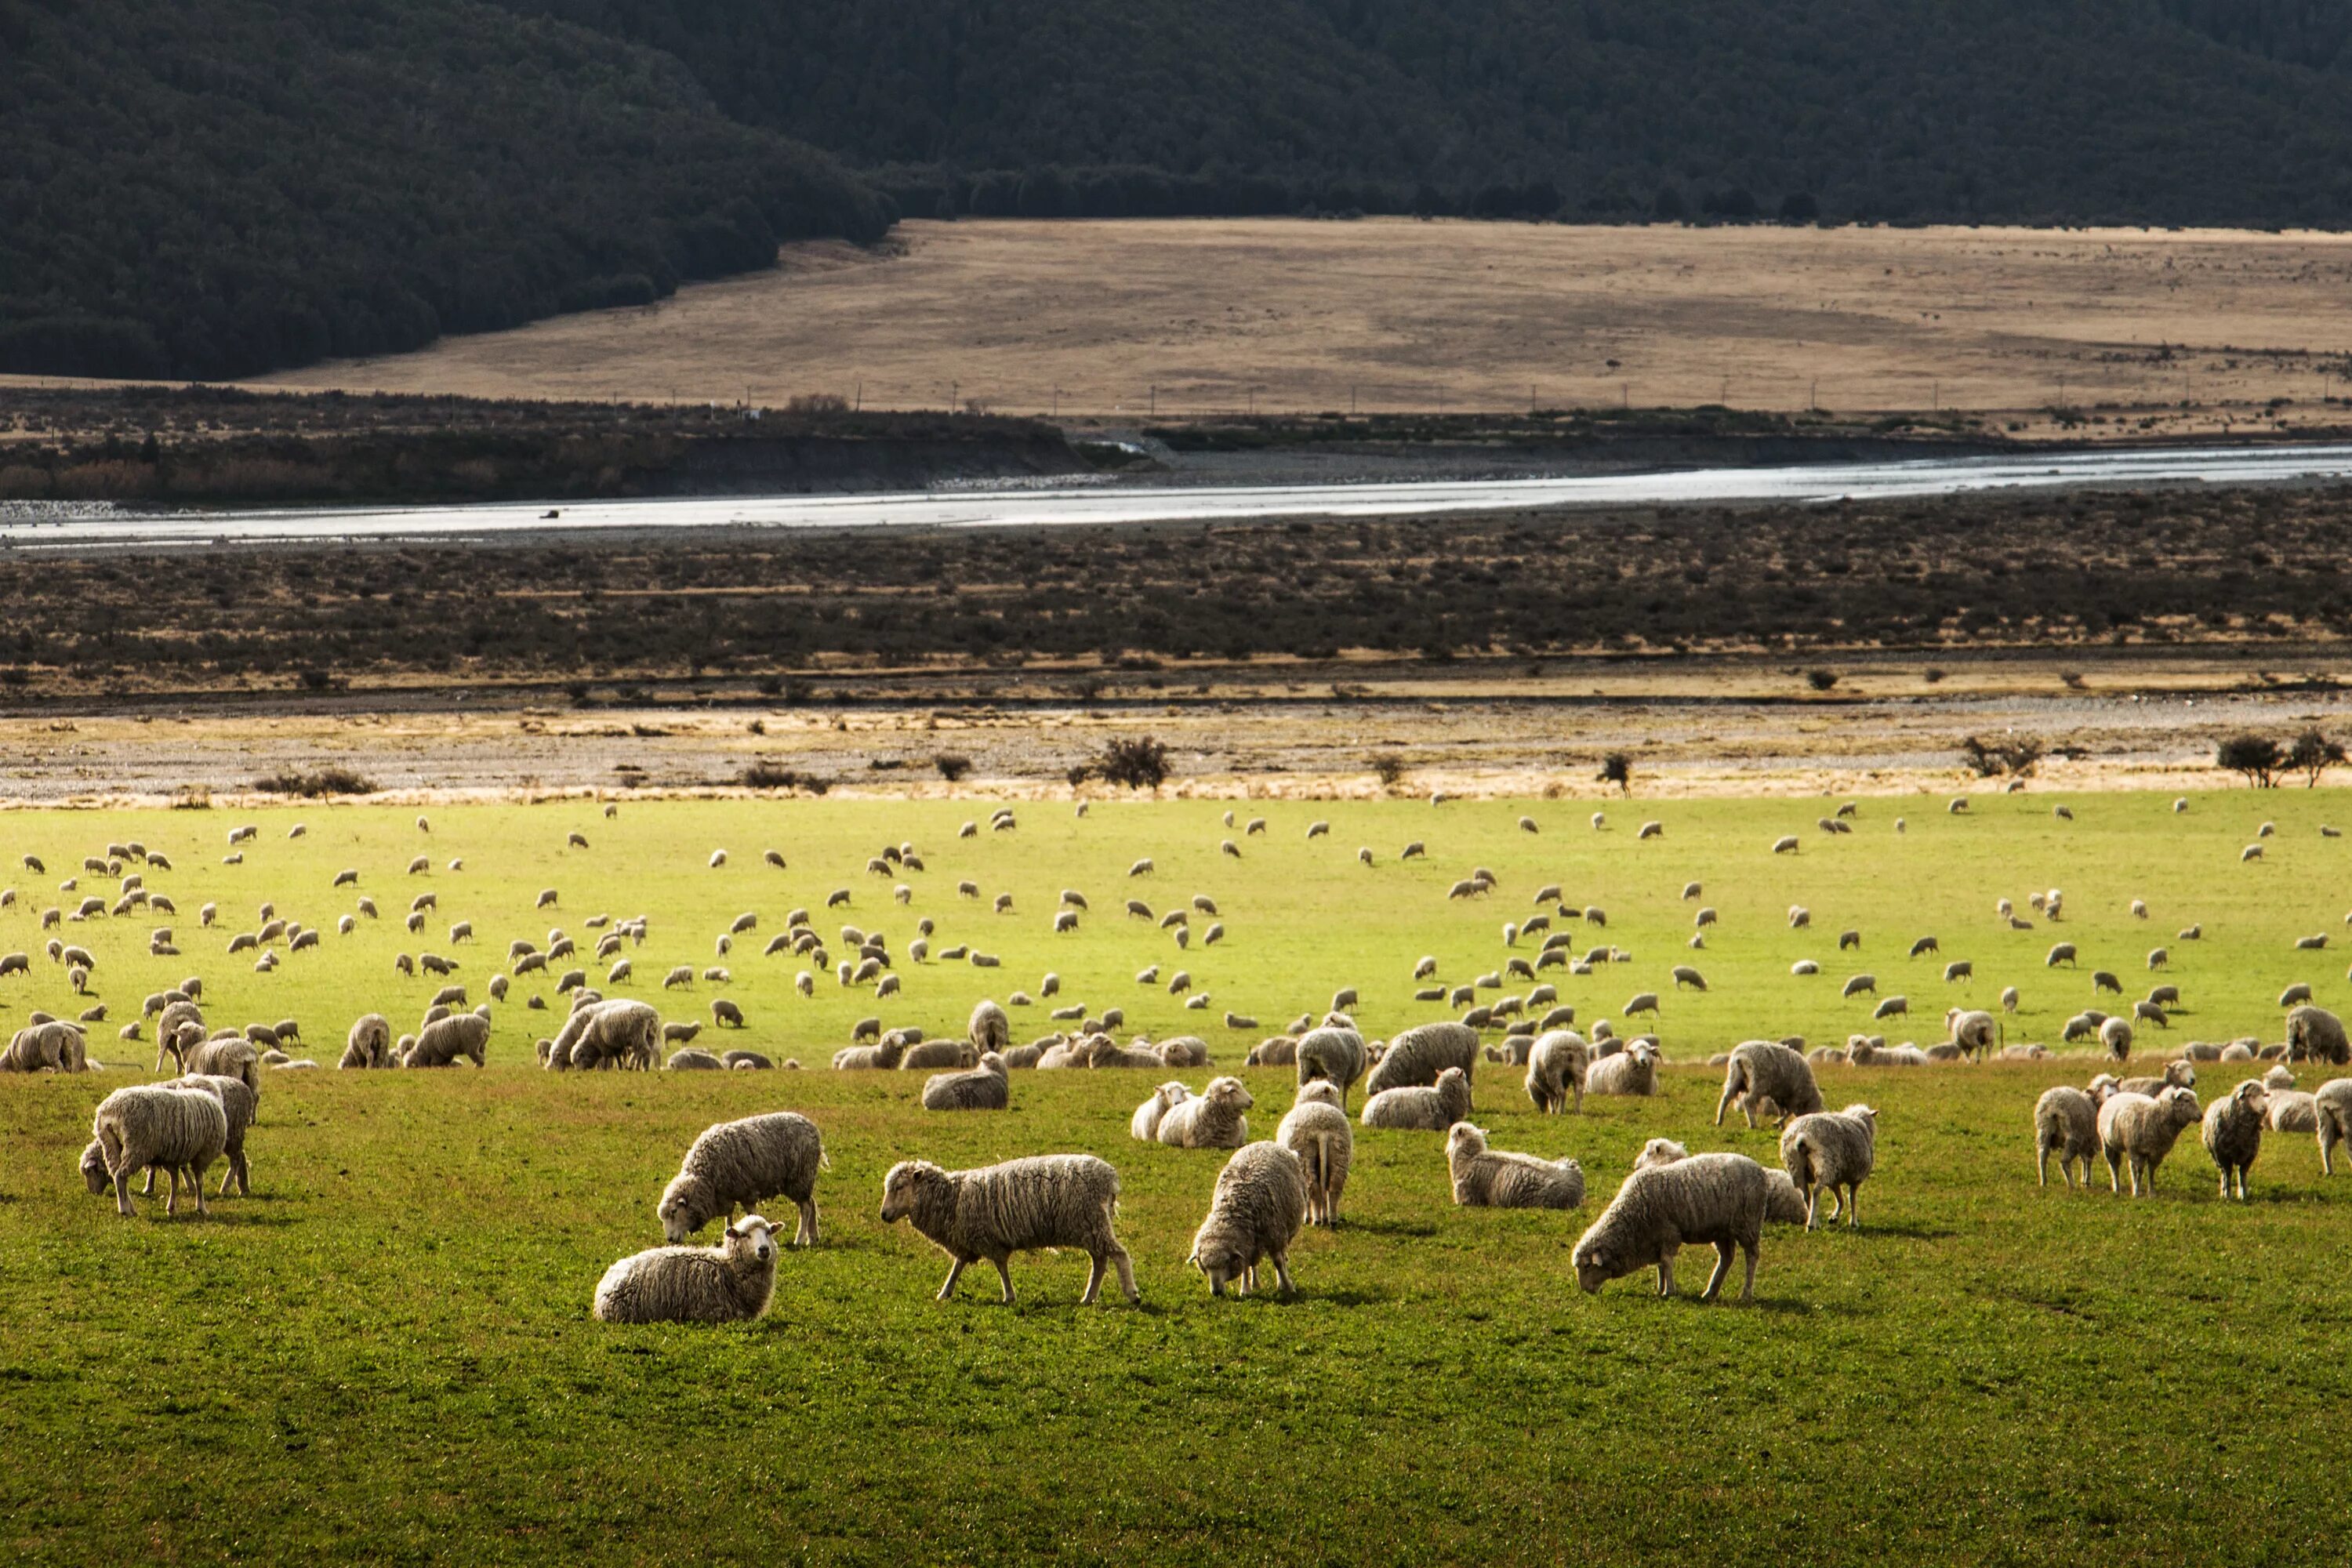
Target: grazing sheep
441	1043
1785	844
1317	1130
1490	1178
1925	944
2135	1128
2116	1038
729	1283
1418	1109
1633	1070
726	1015
2332	1120
47	1044
1333	1055
368	1044
1255	1212
2314	1034
1417	1056
2066	1123
1719	1199
1557	1065
1892	1006
1832	1149
1975	1032
1857	985
1764	1075
983	1088
616	1034
1804	966
145	1126
2234	1132
990	1029
1043	1200
1214	1119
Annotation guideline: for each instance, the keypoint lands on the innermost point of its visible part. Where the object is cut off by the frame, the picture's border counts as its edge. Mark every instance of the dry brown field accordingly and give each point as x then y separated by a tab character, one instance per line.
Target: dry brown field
2189	332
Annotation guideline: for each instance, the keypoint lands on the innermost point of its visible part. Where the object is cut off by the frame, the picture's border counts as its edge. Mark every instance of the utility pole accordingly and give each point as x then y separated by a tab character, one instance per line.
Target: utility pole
861	394
1155	400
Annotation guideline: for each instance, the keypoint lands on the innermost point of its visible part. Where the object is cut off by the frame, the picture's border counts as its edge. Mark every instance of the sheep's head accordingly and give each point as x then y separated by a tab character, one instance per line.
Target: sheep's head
1596	1265
684	1207
2253	1095
1659	1152
1463	1141
904	1185
751	1240
1231	1091
2180	1106
994	1063
1319	1091
93	1168
1222	1260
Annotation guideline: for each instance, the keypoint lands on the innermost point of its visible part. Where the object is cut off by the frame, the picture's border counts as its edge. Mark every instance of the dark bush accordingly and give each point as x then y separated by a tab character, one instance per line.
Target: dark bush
312	785
1137	762
2258	757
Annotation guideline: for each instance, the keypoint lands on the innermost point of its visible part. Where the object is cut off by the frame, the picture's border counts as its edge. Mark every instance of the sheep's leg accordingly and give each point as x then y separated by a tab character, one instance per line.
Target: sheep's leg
123	1193
1282	1274
1005	1277
171	1199
2326	1149
1126	1266
2115	1173
1723	1254
1853	1205
1812	1201
196	1185
807	1234
149	1190
2042	1166
955	1272
1721	1106
1666	1272
1748	1287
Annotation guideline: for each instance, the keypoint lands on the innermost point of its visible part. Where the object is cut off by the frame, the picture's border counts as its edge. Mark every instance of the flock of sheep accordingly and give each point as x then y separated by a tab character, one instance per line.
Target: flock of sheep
1420	1080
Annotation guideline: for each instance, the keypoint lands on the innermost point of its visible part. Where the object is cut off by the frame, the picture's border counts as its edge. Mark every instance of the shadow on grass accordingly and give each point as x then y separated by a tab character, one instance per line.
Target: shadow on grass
1416	1228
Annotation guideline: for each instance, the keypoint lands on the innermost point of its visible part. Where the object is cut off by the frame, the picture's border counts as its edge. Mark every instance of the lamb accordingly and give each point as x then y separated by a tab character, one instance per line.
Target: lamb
1557	1065
1333	1054
1633	1070
1489	1178
1421	1109
1764	1072
729	1283
1144	1125
1419	1055
2234	1132
441	1043
368	1044
2317	1035
2134	1128
2066	1123
2332	1120
983	1088
1317	1131
1259	1203
1213	1120
1020	1206
1833	1150
744	1163
148	1125
1713	1198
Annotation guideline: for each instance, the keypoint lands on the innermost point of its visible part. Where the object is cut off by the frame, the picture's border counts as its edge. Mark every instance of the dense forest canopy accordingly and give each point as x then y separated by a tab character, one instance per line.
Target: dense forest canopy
219	186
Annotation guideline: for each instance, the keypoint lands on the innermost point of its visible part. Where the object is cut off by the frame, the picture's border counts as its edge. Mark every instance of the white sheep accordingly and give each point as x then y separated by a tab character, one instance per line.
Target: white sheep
1416	1108
1492	1178
982	1087
1832	1149
1557	1065
2135	1128
743	1163
1255	1212
1718	1199
2332	1119
2234	1132
1214	1119
1020	1206
1317	1130
729	1283
1633	1071
1144	1125
1769	1077
151	1125
1417	1056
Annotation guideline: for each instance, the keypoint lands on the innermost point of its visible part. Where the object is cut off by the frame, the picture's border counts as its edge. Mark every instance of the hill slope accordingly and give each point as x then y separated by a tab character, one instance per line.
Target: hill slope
216	189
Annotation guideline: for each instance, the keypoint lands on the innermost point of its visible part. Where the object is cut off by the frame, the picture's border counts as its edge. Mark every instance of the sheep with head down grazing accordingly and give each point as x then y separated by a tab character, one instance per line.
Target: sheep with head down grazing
1259	1203
1717	1199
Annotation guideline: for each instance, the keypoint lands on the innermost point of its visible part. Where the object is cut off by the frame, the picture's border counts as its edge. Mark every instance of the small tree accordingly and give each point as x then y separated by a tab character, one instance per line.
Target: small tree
1990	759
1132	763
951	767
2312	754
2256	756
1821	679
1617	768
1388	768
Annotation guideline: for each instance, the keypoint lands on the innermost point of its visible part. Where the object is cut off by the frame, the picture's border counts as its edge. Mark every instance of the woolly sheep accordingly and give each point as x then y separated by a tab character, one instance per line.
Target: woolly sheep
1832	1149
2066	1123
1418	1108
2141	1132
1718	1199
1214	1119
441	1043
931	1055
983	1088
1335	1055
1144	1125
693	1058
2317	1035
1633	1070
1417	1056
2234	1132
616	1034
1490	1178
2332	1119
151	1125
990	1029
1255	1212
368	1044
1975	1032
729	1283
2116	1038
1317	1131
1763	1072
1043	1200
1557	1065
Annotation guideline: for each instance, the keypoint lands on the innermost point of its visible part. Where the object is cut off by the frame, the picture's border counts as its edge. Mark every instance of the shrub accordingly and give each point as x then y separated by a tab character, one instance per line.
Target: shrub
1821	679
1136	762
1617	768
771	775
951	767
312	785
2312	754
2258	757
1388	768
1990	759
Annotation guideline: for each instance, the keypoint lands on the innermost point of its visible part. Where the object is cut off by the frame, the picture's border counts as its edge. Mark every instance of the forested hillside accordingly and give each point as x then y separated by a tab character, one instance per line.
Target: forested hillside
216	186
221	187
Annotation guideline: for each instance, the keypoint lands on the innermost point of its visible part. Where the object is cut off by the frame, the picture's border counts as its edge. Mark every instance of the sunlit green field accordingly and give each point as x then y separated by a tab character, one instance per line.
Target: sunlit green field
384	1354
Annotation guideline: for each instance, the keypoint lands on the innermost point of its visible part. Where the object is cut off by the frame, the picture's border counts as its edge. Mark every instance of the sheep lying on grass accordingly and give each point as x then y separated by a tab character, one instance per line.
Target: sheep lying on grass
1423	1109
1633	1070
149	1125
1491	1178
730	1283
1214	1119
1317	1130
1021	1205
1717	1199
1833	1151
1144	1125
1255	1212
983	1088
743	1163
